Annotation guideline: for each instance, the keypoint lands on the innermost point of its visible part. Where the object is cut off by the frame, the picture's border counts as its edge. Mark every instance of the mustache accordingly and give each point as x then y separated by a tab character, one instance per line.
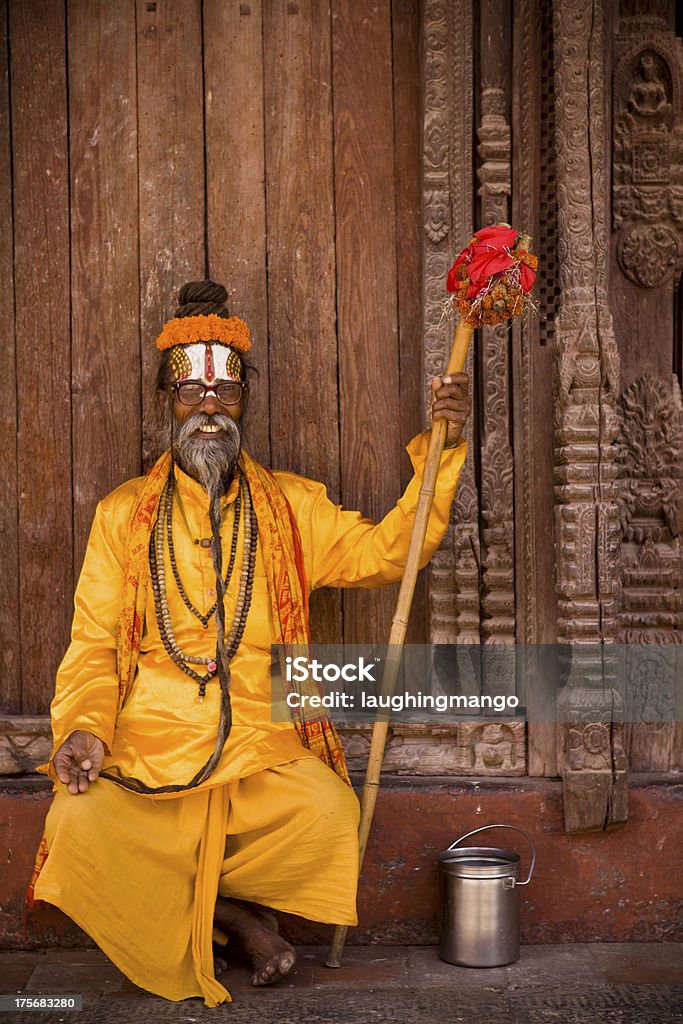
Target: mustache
200	419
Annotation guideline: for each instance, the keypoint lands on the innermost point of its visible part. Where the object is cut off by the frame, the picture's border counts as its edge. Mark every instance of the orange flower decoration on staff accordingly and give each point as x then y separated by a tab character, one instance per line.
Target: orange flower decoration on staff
492	276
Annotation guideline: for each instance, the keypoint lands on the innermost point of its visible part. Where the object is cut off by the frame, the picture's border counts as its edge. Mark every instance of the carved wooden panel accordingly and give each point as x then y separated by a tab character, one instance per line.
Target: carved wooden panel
647	258
650	503
472	577
586	385
447	219
647	172
538	551
466	748
648	152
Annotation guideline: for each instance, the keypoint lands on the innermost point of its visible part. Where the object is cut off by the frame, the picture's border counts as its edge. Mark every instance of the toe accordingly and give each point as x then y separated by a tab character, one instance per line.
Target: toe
286	961
267	974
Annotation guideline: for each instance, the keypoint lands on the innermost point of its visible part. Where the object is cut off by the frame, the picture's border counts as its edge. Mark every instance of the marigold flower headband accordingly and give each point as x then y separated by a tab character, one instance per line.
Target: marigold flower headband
188	330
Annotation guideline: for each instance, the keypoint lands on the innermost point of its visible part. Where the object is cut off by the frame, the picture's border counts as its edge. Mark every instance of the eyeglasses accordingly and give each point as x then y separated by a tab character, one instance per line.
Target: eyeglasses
193	392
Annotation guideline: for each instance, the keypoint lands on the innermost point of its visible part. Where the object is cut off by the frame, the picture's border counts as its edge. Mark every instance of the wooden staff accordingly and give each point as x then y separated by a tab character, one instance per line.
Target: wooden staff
399	624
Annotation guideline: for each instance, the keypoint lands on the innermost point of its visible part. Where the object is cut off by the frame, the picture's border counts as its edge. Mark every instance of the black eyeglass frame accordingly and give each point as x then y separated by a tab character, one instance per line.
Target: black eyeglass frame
242	384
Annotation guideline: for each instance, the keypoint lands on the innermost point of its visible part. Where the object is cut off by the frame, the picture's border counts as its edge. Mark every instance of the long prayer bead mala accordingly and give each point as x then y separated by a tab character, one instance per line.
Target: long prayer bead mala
164	527
170	492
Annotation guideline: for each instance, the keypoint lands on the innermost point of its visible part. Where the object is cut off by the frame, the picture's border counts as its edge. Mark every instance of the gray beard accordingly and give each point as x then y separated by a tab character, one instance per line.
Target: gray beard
210	462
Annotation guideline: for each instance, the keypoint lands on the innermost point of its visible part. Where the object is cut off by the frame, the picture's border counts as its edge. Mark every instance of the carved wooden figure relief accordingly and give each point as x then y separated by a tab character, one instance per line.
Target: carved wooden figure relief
648	151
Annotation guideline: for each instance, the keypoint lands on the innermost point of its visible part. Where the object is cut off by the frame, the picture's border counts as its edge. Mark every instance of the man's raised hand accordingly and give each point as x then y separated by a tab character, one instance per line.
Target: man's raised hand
451	401
78	761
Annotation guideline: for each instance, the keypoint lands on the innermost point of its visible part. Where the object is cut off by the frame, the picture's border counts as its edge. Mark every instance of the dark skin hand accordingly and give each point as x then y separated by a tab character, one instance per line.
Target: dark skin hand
451	401
78	761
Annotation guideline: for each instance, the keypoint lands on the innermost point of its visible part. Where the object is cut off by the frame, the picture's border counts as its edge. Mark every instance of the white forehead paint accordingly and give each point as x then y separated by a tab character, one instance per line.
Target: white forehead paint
207	362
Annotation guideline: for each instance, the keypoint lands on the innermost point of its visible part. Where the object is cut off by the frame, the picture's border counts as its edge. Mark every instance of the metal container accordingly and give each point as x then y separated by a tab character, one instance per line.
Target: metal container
480	906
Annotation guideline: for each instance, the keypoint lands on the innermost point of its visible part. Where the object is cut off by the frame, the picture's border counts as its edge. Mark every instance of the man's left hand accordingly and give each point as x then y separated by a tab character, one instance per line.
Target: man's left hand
451	401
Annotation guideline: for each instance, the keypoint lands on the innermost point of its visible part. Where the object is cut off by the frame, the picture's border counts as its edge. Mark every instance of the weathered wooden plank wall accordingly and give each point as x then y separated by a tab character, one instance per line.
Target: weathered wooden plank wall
366	233
405	30
274	146
41	288
300	215
235	169
171	176
105	238
10	648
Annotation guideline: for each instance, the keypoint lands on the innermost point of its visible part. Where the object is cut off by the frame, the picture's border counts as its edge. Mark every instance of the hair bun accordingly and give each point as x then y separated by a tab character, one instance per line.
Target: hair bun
202	297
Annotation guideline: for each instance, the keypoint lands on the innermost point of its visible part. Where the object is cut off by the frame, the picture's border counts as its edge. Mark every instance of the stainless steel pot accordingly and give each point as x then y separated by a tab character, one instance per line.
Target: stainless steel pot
479	904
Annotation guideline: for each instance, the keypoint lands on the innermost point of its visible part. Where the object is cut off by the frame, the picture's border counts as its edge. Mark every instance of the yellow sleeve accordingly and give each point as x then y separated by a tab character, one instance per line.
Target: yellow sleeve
344	549
86	694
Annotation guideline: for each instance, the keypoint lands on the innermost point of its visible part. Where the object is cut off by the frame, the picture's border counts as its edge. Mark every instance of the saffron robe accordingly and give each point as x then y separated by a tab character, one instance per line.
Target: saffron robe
162	735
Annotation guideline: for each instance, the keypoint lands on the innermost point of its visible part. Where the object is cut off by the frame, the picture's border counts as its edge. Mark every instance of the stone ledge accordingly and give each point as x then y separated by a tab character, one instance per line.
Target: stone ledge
413	748
671	781
25	742
592	888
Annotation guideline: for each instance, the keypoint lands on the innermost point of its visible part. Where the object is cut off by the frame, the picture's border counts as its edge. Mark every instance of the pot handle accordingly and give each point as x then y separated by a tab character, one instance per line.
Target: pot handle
515	829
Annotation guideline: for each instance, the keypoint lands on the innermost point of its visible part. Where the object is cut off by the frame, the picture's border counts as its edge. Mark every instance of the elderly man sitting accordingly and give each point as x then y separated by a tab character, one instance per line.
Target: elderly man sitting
180	806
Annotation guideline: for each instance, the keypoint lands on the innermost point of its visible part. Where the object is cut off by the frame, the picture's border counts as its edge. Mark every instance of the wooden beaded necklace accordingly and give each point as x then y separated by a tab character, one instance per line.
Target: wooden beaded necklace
164	527
204	542
171	491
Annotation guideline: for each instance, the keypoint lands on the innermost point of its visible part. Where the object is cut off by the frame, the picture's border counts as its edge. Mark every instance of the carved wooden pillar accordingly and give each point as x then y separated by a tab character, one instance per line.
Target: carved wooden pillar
469	598
493	173
534	211
497	470
447	218
586	385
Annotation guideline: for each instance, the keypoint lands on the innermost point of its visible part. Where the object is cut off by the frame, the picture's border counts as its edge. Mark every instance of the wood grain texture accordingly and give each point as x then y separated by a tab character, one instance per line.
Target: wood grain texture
301	257
678	332
235	155
41	282
171	167
676	760
10	652
407	141
649	746
104	240
405	22
365	194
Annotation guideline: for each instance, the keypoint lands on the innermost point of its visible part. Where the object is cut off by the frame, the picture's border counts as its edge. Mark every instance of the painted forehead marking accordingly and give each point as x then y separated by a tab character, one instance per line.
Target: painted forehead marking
205	362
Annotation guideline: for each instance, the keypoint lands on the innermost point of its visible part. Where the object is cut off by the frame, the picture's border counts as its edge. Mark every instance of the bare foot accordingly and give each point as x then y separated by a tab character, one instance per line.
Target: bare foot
219	965
271	956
